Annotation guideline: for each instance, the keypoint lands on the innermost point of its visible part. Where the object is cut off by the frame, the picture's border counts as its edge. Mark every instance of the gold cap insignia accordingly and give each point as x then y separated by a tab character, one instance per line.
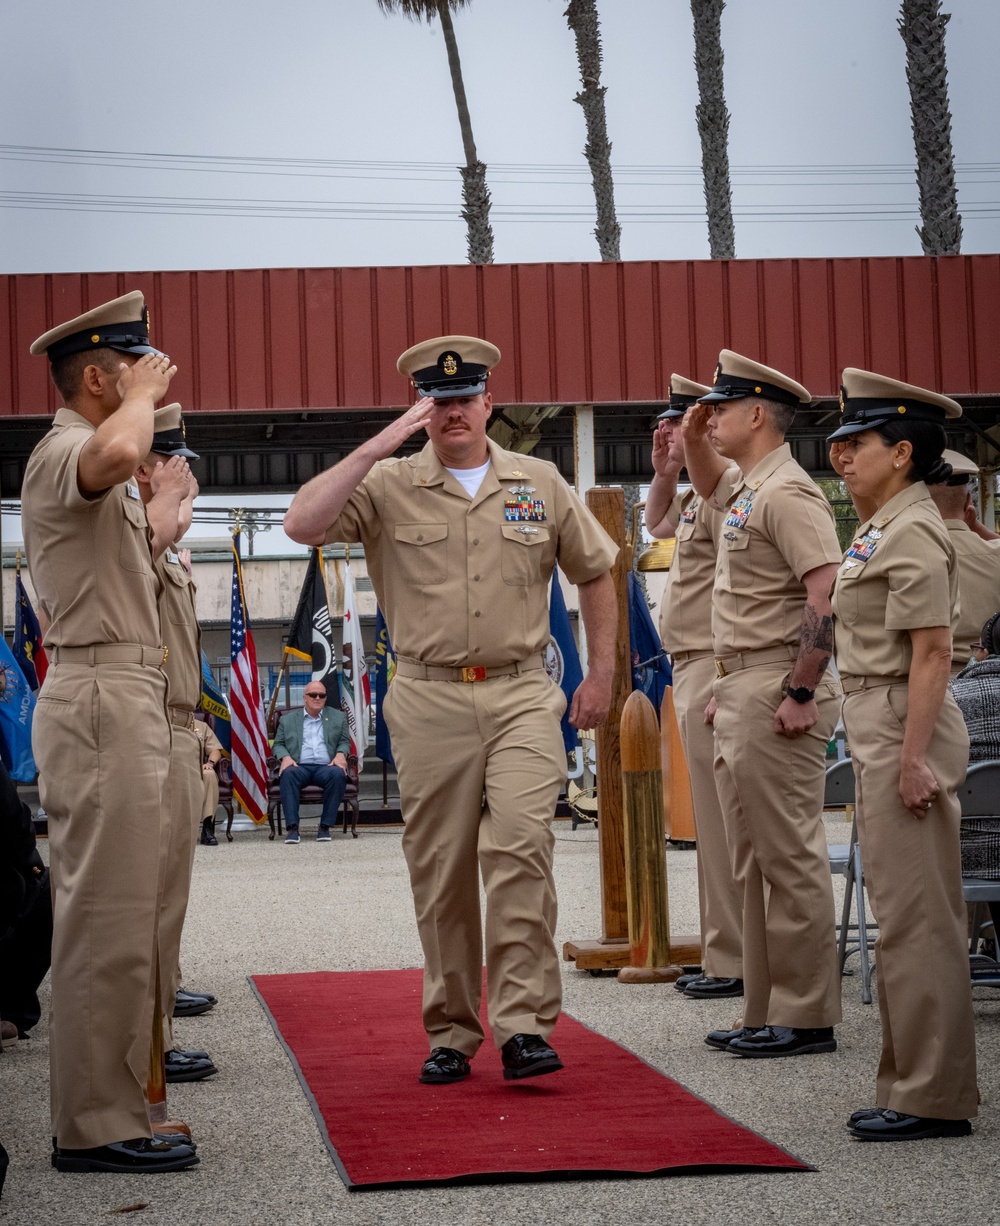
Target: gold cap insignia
718	371
146	318
449	365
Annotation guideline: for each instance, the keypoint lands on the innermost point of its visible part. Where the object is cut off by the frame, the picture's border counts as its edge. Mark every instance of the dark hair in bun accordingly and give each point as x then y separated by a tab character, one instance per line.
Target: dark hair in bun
927	439
990	636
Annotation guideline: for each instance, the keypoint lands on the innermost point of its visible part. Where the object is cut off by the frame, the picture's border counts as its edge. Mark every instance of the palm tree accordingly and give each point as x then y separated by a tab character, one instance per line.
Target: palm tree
475	192
582	18
921	23
713	127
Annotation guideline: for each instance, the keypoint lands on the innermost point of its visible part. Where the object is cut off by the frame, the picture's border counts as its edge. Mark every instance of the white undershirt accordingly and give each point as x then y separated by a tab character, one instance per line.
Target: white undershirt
470	478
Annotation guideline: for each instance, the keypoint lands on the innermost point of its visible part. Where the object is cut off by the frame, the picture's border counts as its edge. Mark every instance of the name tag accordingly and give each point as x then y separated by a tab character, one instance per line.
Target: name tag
172	558
132	491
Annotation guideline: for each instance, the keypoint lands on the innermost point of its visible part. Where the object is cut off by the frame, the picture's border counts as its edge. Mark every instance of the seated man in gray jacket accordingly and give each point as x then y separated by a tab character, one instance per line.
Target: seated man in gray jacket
312	746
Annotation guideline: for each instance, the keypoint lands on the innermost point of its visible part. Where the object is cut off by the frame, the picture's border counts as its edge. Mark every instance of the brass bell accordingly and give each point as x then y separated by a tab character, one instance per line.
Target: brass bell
656	556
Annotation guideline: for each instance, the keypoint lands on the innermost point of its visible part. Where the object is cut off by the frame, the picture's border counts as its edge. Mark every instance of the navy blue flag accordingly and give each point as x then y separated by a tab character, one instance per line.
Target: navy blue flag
17	706
213	701
28	649
562	660
650	667
385	670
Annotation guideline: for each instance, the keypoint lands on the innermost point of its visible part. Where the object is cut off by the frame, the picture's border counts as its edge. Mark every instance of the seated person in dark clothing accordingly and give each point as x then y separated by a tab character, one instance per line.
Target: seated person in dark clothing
312	747
977	692
25	911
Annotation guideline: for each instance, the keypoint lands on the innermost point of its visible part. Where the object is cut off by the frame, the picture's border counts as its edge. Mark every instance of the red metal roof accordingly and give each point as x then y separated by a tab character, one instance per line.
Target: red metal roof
328	338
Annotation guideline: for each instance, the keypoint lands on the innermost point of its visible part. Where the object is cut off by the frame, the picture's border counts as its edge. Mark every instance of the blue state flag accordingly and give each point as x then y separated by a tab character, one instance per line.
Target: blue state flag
17	707
213	701
385	670
562	660
650	667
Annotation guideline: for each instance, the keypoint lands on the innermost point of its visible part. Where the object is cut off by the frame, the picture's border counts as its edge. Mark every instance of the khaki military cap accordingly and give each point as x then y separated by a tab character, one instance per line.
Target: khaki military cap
683	394
737	378
121	324
868	400
961	465
168	433
449	366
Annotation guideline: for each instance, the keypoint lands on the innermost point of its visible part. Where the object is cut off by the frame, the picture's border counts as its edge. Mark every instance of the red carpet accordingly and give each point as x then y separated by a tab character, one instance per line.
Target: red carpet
356	1042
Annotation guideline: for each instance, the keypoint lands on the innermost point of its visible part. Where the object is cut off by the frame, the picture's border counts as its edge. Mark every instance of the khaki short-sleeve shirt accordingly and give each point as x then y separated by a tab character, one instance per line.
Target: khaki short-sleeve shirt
89	557
181	633
899	574
686	611
777	527
465	581
978	586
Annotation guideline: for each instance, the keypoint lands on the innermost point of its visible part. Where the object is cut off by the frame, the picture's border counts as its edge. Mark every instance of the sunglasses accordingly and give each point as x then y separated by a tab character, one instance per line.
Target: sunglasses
314	694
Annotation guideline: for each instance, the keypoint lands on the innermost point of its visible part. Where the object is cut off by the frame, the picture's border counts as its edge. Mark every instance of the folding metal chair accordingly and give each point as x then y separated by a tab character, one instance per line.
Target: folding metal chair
845	859
979	797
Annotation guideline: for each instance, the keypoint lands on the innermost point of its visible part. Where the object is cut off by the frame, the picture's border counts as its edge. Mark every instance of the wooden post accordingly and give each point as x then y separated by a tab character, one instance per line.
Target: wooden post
645	854
156	1085
610	950
678	809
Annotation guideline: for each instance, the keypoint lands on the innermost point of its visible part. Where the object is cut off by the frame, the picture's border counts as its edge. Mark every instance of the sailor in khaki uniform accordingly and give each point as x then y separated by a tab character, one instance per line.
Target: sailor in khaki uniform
211	755
686	632
101	736
894	599
776	708
168	490
978	559
460	541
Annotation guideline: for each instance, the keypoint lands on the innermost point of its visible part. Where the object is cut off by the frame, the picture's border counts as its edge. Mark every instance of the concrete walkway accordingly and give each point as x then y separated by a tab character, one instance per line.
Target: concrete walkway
262	907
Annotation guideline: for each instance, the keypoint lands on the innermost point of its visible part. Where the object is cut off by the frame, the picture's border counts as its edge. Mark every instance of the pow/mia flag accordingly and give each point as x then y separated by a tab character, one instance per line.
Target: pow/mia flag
311	635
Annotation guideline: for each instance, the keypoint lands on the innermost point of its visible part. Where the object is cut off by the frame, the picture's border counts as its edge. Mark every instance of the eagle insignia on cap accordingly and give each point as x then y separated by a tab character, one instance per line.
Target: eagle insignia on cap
449	364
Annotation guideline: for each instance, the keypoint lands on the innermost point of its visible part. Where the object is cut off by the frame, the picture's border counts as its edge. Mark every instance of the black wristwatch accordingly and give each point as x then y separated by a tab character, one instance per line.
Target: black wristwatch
799	693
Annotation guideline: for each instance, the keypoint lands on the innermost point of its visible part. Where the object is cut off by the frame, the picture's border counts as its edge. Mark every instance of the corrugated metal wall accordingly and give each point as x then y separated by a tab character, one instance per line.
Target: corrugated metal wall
328	338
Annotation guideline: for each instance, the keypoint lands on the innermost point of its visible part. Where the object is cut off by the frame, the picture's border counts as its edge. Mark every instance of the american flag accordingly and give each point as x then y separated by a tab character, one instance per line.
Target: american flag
355	690
250	749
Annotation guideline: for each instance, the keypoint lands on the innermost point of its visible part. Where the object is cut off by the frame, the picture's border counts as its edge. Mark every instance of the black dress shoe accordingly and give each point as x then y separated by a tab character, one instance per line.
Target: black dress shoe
722	1038
785	1041
136	1157
690	977
212	1000
180	1068
892	1126
528	1055
192	1055
186	1004
864	1113
710	988
444	1065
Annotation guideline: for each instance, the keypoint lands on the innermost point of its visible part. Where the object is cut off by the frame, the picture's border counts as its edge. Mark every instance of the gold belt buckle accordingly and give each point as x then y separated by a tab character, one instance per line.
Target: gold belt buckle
473	674
166	652
720	669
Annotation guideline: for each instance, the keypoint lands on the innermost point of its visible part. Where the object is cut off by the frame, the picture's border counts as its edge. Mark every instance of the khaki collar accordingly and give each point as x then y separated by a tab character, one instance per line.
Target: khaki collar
957	525
917	492
504	465
770	464
69	417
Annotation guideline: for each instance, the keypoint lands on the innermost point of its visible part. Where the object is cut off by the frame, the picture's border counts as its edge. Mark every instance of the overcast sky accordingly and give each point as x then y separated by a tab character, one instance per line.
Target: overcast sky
216	134
341	129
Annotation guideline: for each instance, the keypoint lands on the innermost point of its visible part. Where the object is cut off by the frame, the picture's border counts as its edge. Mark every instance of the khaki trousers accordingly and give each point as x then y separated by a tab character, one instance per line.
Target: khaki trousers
720	903
913	876
182	805
102	744
771	791
209	794
480	767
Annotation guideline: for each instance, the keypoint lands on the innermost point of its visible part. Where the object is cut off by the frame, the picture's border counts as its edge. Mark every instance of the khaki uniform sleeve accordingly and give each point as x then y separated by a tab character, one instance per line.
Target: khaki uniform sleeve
62	462
212	742
799	521
722	495
673	514
919	581
361	518
585	550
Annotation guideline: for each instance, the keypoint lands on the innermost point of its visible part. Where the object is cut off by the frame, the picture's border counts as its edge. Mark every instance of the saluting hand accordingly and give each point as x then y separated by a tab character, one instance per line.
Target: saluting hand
388	441
836	451
668	450
150	376
694	423
171	477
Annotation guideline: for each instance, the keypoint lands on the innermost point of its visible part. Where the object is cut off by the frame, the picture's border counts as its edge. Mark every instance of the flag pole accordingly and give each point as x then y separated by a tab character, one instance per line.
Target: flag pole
277	686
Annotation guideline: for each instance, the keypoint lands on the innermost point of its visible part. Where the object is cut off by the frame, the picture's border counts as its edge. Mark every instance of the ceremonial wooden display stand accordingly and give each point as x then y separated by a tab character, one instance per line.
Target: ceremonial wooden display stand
610	951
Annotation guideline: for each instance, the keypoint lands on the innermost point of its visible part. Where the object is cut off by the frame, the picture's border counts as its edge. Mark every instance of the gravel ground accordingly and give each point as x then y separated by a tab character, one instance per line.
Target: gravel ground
259	907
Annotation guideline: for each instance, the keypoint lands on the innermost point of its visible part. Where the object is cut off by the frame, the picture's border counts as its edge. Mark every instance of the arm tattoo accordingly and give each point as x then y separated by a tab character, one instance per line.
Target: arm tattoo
817	636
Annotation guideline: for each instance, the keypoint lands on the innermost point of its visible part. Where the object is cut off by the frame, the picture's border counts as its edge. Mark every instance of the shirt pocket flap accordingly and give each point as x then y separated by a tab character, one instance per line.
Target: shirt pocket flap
175	574
135	512
421	534
513	532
